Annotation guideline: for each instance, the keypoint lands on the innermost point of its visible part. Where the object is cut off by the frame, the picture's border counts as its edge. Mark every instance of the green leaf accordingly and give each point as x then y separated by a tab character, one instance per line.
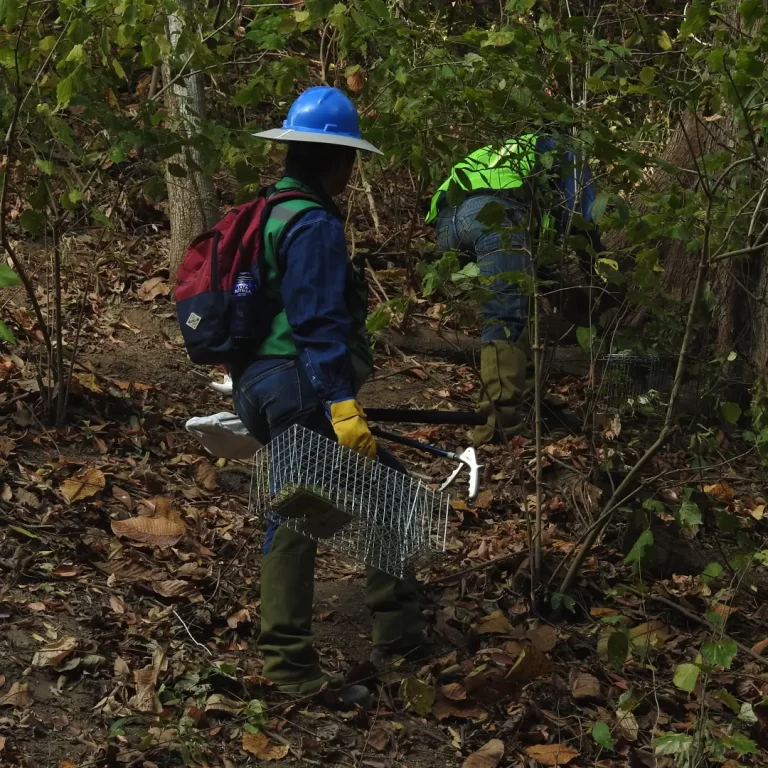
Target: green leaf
101	218
45	166
640	548
77	54
647	75
32	221
695	19
118	67
601	733
686	676
715	59
64	91
6	334
720	653
492	215
728	699
751	11
586	337
418	695
712	571
379	8
599	205
731	412
674	744
150	51
47	43
8	277
664	41
689	514
9	13
618	648
741	744
179	171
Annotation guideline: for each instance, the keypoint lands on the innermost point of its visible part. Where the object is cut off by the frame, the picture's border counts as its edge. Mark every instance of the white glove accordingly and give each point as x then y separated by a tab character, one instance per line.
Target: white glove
225	388
224	435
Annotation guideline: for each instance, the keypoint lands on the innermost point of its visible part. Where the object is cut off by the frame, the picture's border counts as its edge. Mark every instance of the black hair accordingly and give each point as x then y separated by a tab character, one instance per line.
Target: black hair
309	161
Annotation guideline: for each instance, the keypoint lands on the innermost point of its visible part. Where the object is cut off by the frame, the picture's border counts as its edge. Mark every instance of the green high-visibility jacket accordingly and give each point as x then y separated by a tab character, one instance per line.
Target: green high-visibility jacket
492	167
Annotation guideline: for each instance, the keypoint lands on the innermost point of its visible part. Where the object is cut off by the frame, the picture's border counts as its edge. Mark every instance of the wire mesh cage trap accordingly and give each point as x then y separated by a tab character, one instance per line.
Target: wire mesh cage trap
627	379
354	505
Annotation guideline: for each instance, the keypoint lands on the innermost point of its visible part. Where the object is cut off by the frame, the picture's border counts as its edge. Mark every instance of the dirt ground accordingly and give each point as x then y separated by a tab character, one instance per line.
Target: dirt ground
140	651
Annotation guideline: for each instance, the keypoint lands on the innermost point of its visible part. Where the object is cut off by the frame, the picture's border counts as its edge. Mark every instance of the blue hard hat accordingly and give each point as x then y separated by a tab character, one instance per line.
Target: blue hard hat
322	115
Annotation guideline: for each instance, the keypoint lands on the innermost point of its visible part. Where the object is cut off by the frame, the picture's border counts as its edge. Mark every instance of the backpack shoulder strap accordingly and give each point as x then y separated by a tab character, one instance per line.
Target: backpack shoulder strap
284	208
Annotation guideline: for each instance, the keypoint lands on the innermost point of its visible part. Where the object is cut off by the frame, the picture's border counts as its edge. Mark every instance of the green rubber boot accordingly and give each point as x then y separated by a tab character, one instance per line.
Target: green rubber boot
503	375
398	623
287	589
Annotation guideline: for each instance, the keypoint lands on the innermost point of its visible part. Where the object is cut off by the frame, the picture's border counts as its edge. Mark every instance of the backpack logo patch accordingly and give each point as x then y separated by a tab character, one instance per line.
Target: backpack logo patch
193	321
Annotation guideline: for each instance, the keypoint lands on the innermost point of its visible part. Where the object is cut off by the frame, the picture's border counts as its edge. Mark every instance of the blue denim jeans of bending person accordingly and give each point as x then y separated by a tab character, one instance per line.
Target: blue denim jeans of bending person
270	397
505	315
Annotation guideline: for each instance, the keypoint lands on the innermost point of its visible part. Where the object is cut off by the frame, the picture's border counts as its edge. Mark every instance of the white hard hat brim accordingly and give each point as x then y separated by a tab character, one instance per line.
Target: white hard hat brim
288	135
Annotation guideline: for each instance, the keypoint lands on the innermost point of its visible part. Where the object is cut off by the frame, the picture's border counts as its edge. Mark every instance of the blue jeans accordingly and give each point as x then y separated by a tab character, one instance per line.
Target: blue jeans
505	315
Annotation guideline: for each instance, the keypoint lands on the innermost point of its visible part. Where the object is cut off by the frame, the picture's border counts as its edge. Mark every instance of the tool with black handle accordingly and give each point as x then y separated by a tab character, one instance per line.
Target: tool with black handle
467	458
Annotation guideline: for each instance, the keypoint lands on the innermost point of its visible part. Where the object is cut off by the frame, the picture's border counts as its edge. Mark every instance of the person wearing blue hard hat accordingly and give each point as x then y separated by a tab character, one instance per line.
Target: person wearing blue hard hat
308	372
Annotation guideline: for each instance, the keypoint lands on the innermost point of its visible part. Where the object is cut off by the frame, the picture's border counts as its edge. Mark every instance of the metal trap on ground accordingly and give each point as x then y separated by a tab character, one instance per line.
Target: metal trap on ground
354	505
646	381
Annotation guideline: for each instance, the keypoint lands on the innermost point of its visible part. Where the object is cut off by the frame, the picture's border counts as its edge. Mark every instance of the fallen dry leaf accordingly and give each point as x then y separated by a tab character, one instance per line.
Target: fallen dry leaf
493	624
37	607
7	446
626	725
551	754
154	287
356	80
379	738
488	756
205	475
723	610
462	710
178	588
760	647
484	500
239	617
454	692
259	745
83	485
218	702
651	634
123	497
66	571
67	764
19	697
163	529
758	512
544	638
2	743
585	686
146	699
117	604
121	669
720	491
54	653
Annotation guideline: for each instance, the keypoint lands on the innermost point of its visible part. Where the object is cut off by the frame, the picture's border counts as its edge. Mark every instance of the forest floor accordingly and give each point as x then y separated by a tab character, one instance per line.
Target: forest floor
129	586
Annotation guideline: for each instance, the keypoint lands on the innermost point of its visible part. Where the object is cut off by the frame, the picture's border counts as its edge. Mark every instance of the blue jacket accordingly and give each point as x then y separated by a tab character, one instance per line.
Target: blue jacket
313	286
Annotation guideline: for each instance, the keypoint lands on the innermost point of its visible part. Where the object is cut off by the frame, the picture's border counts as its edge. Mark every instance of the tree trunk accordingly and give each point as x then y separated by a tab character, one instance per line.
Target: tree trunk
740	285
192	200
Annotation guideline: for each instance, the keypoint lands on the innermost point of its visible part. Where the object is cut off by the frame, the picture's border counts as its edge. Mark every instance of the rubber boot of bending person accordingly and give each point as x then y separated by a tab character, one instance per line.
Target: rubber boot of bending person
503	367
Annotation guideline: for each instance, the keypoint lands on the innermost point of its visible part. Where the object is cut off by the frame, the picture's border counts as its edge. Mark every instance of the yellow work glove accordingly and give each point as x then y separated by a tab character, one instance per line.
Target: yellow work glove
351	427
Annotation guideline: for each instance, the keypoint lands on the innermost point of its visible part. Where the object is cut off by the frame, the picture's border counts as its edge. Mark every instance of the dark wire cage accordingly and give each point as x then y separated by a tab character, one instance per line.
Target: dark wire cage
646	381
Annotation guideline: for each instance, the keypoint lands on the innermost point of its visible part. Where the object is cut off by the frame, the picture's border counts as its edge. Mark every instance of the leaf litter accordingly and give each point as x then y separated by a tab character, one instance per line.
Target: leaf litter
135	565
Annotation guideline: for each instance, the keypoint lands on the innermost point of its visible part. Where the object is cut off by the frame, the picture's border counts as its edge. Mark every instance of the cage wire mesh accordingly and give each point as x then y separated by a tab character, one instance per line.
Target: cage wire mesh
632	379
355	506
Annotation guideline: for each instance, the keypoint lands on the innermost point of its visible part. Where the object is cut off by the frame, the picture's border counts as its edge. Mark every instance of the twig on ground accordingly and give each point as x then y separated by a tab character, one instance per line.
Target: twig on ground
697	619
191	636
487	564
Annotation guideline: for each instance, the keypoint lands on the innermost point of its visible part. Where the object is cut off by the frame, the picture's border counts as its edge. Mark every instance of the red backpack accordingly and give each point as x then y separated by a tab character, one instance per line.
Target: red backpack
208	272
